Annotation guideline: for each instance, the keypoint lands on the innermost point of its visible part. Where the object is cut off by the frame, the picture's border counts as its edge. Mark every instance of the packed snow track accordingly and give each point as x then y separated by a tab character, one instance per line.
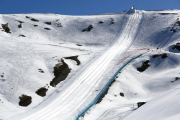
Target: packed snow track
73	99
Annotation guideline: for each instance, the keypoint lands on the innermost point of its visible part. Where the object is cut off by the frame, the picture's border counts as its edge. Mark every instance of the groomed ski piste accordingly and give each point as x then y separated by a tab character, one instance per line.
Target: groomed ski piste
119	43
76	96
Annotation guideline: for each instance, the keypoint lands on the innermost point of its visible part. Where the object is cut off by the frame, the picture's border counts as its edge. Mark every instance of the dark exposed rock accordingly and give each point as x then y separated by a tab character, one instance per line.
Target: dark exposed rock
121	94
139	104
42	91
20	26
75	58
35	25
101	22
112	21
61	71
78	44
48	23
173	30
168	13
41	71
154	56
35	20
21	35
6	28
177	46
178	23
176	79
27	17
89	28
164	55
25	100
144	66
19	21
47	28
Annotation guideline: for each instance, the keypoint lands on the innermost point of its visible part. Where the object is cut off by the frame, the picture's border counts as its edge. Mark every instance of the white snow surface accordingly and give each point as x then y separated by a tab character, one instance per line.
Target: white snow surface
101	51
155	32
21	57
164	107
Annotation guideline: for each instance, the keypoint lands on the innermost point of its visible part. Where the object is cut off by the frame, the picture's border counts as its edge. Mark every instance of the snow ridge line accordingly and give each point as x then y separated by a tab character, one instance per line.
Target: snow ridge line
106	86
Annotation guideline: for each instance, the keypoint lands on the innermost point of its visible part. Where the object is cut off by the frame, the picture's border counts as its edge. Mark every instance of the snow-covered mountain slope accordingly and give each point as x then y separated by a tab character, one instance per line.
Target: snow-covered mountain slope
87	80
30	53
32	46
134	85
165	107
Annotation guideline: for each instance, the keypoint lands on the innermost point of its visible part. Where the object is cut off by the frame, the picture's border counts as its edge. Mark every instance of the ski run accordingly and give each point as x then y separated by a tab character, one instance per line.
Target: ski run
54	67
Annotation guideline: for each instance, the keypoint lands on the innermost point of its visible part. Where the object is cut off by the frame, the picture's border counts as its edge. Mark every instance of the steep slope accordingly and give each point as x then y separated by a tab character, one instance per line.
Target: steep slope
165	107
53	66
33	47
149	76
79	94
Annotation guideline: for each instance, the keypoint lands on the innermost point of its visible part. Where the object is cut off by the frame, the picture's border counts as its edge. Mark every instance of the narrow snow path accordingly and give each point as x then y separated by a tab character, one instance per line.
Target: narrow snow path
75	96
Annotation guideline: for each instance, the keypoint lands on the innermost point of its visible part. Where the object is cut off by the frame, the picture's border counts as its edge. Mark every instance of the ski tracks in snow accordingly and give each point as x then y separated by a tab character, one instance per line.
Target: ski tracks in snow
22	60
77	96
